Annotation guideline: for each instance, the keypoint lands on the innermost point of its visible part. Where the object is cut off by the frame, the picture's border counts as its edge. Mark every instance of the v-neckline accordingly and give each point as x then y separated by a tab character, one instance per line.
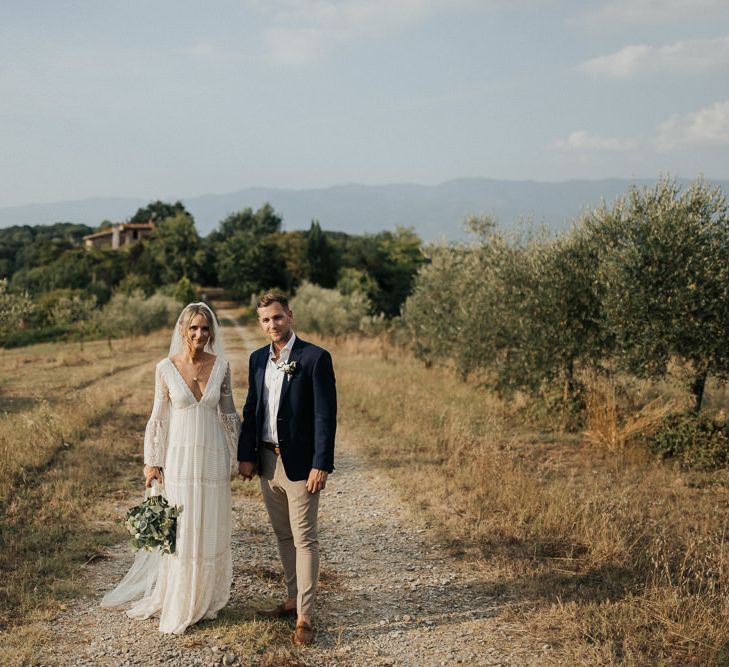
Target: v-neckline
187	386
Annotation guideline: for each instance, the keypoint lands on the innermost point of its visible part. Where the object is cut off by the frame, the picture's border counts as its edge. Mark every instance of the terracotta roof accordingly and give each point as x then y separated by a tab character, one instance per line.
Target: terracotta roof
122	227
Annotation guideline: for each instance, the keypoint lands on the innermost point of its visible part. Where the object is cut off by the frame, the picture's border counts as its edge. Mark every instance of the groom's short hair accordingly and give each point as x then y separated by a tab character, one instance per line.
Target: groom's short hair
273	297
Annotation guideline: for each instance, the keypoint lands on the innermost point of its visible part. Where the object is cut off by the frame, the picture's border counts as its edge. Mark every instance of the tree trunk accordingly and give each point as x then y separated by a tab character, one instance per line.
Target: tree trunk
569	381
697	388
568	397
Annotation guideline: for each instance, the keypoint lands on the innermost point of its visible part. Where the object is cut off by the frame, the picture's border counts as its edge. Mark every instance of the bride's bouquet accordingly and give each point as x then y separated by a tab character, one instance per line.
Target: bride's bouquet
153	524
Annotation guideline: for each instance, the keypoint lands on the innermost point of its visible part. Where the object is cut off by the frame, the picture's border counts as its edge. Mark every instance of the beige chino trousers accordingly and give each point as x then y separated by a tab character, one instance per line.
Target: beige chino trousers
293	512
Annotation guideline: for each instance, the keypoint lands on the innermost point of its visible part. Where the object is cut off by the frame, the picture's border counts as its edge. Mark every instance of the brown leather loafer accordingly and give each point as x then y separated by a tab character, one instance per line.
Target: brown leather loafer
277	612
304	634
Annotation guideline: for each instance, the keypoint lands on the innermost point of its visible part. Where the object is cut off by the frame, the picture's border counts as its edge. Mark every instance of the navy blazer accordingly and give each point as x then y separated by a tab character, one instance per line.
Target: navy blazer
307	413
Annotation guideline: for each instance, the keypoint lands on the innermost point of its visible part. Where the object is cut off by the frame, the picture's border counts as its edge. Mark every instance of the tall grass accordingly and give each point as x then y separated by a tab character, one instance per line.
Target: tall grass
69	391
59	455
612	559
611	427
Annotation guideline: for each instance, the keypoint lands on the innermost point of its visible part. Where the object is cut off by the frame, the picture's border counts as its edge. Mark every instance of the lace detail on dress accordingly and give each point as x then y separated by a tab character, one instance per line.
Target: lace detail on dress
229	417
155	435
155	443
161	392
231	426
226	388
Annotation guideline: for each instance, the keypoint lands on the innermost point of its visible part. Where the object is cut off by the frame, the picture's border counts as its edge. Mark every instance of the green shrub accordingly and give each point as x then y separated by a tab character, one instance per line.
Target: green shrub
99	291
696	441
183	291
74	311
328	312
135	282
132	314
15	309
23	337
74	319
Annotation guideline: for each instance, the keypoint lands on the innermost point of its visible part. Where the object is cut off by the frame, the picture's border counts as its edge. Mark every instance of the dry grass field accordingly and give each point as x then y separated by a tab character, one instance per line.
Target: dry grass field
616	558
612	558
69	429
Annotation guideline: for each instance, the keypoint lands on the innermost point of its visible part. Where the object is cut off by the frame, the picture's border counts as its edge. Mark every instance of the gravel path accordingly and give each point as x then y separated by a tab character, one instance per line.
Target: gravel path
389	594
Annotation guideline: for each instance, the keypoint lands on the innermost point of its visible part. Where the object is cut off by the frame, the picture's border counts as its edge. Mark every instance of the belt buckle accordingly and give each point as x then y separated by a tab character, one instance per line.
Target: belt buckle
273	447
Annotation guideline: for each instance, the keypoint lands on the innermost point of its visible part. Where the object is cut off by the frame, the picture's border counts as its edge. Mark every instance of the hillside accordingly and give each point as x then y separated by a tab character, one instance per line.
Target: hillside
434	211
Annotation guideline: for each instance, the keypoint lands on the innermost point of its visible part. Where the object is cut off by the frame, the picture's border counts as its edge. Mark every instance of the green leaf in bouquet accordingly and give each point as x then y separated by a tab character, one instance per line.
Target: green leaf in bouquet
153	524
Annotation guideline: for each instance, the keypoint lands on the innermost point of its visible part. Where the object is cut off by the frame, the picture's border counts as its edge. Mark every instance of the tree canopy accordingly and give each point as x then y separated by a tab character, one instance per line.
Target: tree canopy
158	211
247	253
664	262
638	285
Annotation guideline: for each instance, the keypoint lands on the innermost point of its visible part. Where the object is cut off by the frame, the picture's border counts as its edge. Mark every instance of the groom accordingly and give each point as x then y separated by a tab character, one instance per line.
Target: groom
289	422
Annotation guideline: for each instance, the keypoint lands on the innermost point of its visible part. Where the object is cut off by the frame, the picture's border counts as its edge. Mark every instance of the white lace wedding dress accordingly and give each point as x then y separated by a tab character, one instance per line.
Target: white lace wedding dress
195	443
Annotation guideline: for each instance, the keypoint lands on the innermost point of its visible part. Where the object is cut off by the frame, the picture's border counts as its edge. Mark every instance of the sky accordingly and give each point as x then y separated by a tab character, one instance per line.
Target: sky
174	98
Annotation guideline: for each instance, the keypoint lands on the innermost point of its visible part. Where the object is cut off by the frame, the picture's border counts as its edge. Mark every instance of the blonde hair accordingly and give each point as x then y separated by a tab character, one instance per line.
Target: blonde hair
188	315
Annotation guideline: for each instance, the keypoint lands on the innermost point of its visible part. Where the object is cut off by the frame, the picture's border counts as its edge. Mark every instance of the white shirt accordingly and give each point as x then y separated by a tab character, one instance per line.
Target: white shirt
272	383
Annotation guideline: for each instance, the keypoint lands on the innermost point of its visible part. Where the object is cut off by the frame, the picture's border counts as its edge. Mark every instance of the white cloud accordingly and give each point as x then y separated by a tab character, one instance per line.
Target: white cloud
207	51
654	11
299	46
582	141
354	14
617	65
687	56
705	127
304	31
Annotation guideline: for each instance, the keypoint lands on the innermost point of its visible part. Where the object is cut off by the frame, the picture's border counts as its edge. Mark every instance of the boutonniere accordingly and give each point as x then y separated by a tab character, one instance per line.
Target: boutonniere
289	368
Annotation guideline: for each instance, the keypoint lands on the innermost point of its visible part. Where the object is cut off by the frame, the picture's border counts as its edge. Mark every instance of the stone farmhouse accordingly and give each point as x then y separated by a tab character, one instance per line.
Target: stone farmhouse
119	235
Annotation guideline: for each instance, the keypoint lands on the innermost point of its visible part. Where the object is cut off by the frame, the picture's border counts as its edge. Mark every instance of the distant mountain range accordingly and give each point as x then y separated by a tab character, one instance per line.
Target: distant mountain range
435	211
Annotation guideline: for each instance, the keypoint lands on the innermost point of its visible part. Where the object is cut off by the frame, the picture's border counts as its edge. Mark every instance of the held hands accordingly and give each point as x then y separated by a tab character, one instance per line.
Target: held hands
246	469
317	480
150	473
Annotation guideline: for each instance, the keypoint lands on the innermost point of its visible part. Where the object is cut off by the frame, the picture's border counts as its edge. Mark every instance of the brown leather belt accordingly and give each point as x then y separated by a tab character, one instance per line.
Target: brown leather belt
274	448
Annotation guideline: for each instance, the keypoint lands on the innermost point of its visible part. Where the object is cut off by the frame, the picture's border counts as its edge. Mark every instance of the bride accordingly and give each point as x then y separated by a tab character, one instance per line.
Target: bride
189	447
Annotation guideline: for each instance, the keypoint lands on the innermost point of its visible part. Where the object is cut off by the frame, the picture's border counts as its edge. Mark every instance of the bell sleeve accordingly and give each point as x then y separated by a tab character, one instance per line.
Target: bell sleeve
155	436
229	417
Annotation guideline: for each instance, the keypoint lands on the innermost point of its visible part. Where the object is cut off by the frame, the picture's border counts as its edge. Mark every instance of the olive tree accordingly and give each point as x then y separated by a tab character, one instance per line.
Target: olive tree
548	311
664	269
526	310
436	313
460	310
